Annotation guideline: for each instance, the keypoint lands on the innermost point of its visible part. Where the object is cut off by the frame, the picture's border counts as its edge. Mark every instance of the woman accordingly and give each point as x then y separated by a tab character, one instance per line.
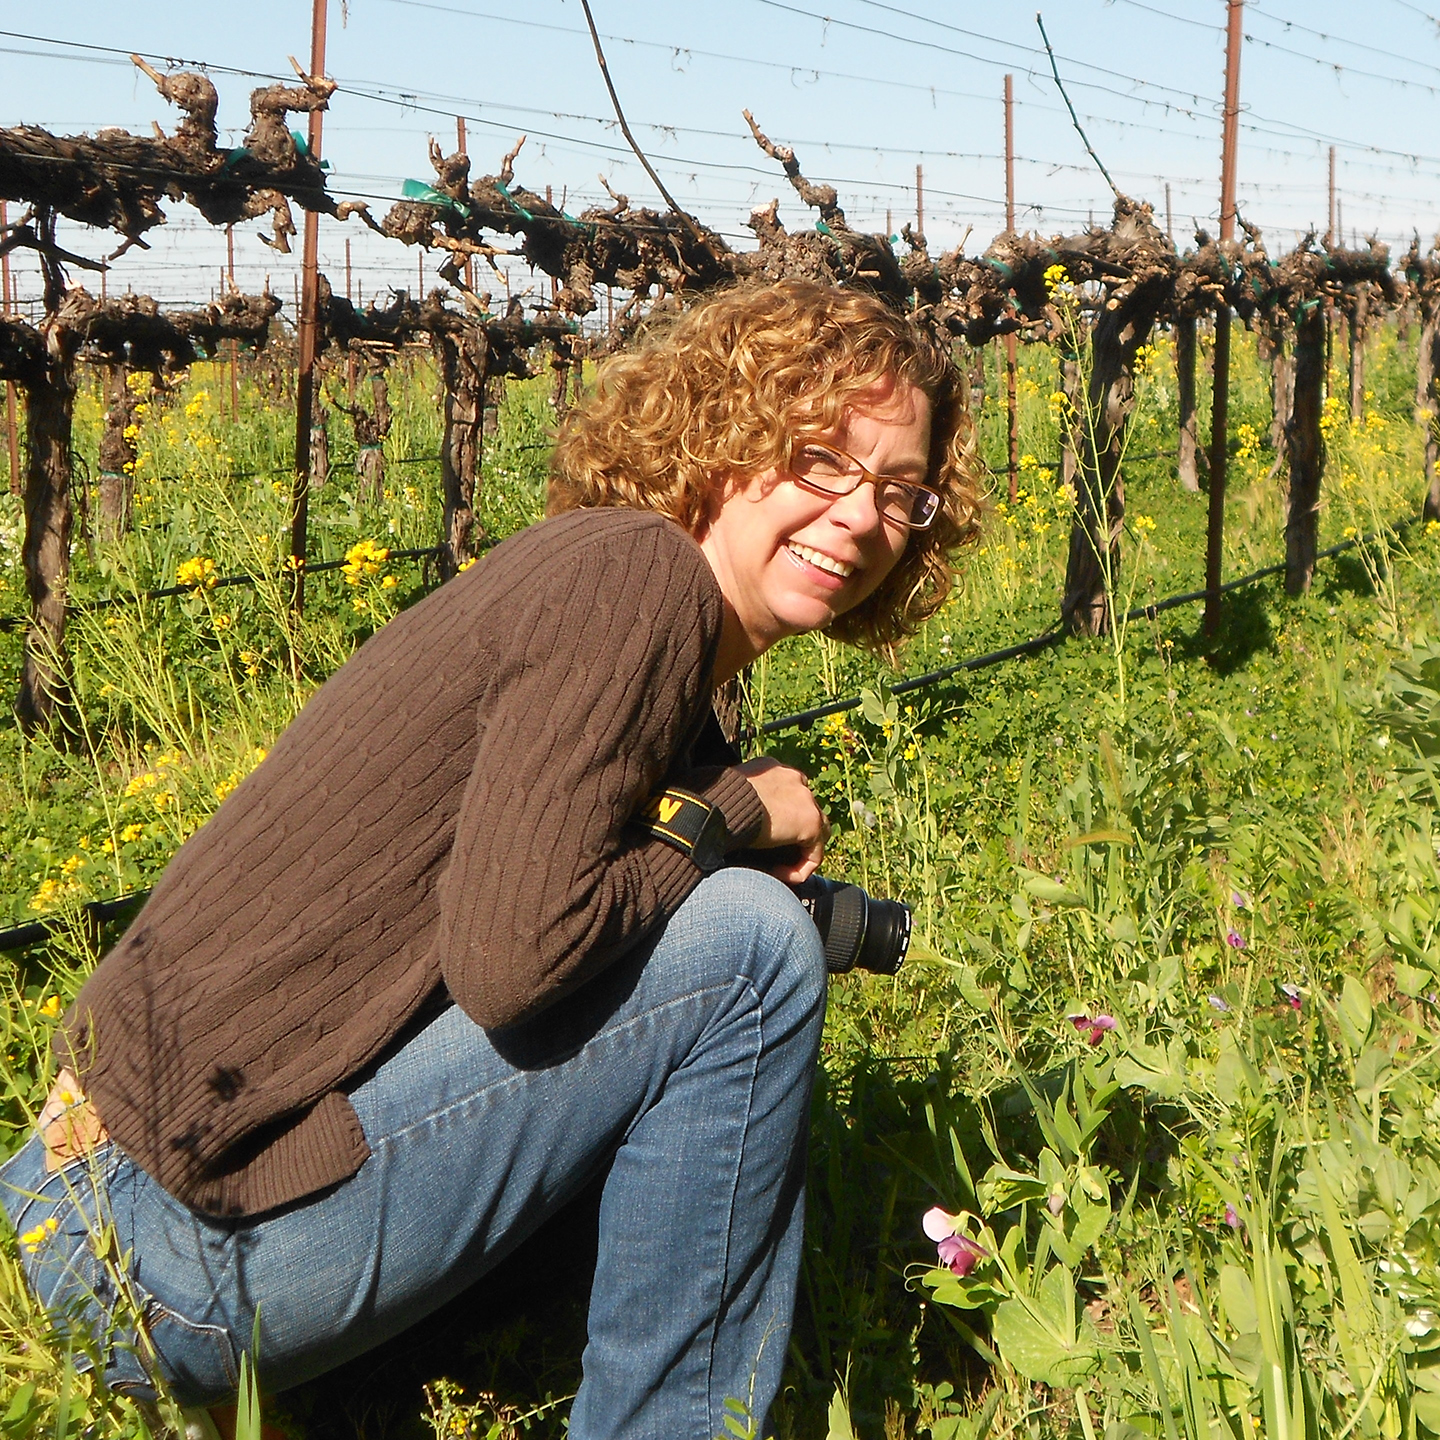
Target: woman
467	937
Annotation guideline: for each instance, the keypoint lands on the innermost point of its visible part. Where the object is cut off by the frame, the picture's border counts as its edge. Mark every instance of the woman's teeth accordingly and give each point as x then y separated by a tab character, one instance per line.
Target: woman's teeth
821	561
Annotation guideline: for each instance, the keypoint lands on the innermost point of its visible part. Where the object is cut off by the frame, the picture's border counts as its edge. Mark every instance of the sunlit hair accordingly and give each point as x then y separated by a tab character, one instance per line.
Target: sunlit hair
720	391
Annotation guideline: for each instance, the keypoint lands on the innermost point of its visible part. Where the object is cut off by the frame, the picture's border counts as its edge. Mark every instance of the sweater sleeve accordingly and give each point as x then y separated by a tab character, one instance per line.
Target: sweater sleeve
600	683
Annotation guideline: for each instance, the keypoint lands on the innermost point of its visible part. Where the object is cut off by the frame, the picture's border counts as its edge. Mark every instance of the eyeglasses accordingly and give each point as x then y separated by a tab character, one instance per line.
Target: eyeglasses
828	471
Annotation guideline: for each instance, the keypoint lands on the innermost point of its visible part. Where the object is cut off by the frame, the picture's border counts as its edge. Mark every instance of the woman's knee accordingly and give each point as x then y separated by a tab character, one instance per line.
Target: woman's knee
770	937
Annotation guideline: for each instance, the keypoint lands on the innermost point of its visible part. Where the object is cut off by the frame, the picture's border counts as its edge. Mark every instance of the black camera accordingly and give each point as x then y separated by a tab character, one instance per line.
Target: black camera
857	929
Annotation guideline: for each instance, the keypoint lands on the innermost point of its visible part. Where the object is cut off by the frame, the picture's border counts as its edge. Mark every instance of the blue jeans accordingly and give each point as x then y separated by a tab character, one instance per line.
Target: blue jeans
686	1068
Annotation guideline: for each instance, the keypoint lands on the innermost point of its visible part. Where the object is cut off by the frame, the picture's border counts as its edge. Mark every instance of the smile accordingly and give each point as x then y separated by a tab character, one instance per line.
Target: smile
820	560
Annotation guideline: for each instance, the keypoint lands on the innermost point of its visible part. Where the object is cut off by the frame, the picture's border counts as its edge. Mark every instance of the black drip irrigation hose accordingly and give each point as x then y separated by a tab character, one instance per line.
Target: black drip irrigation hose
1058	464
96	912
347	462
18	622
803	719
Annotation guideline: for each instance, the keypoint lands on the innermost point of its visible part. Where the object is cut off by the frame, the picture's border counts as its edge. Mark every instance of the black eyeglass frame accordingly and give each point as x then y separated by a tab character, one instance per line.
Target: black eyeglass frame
880	482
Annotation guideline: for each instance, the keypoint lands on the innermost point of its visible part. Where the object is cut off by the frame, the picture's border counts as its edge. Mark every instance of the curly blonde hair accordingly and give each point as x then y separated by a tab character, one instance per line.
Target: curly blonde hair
718	393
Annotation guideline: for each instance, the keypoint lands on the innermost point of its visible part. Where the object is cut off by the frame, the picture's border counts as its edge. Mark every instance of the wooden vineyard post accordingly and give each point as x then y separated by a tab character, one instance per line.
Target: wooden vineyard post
1220	403
462	352
1305	446
305	342
118	452
1359	316
1012	429
468	268
1185	387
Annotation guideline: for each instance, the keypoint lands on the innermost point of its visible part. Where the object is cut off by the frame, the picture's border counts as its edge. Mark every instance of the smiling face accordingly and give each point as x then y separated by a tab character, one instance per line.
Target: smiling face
789	560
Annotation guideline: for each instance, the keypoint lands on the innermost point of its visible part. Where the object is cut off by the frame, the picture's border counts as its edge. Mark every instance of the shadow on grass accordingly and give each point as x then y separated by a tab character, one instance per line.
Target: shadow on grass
517	1334
883	1140
1245	630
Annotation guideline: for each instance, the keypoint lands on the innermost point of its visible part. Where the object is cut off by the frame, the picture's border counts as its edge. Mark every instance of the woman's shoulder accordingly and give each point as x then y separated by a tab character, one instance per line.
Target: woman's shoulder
610	525
618	539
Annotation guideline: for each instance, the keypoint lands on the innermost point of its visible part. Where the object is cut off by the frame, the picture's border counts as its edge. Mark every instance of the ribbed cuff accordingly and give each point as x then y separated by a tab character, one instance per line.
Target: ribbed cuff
736	799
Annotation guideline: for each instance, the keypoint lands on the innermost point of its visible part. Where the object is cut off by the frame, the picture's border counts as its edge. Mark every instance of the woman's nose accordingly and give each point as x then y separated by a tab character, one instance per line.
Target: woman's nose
859	510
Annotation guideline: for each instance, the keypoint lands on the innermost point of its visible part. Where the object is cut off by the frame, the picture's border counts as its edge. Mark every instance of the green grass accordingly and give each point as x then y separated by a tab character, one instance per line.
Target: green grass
1221	1219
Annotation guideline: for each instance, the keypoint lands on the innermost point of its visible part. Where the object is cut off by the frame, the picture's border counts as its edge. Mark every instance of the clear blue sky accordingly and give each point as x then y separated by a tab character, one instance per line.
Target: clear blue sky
863	95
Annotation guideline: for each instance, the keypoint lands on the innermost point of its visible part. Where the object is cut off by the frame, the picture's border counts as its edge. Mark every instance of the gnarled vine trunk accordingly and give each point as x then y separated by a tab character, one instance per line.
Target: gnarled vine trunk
1305	449
1121	327
319	446
118	454
462	353
1278	353
371	428
49	411
1185	386
1427	402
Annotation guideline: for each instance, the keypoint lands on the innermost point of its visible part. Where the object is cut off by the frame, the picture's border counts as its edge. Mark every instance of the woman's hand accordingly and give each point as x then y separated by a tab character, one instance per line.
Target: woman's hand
792	818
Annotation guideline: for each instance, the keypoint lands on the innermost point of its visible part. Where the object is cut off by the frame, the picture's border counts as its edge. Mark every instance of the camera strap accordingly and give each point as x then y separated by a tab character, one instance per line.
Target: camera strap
691	825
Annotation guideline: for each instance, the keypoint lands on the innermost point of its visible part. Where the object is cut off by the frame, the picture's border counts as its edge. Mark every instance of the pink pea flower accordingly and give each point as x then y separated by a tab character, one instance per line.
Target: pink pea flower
1234	939
1216	1003
1096	1025
1292	994
1239	899
958	1251
1232	1218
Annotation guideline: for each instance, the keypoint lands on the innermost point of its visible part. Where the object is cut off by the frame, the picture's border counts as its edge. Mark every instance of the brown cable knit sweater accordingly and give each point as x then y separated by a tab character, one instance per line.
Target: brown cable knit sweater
450	808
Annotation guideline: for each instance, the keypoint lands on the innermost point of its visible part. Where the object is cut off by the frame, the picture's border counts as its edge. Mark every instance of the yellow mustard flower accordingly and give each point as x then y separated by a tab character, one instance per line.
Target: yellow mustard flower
32	1240
198	572
362	559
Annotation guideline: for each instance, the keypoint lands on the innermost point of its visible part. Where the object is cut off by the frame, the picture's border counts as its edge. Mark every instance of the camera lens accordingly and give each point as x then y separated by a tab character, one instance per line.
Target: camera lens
858	931
887	936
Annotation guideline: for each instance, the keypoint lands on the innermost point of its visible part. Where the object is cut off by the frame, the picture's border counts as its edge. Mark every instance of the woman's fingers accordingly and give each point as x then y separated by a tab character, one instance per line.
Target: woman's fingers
792	816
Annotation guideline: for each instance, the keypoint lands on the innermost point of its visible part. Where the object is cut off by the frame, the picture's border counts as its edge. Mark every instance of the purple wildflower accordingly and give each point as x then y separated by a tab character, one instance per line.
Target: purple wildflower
1239	899
1292	994
1216	1003
1234	939
1096	1025
960	1253
1231	1218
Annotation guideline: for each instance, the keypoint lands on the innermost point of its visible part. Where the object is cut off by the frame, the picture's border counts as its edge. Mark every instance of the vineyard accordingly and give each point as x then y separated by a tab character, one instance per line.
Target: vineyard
1141	1140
